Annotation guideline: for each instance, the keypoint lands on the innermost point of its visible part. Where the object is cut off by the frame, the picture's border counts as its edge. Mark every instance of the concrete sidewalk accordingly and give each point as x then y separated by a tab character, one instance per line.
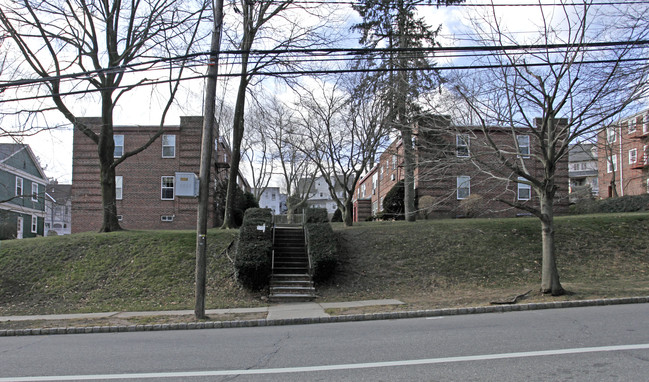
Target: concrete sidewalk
274	312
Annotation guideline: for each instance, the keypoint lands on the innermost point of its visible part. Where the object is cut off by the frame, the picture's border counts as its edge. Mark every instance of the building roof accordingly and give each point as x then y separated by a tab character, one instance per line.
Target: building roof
59	193
9	150
581	152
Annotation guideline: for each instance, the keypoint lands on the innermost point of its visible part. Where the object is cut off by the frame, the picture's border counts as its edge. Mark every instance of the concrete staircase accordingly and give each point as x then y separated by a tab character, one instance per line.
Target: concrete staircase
290	280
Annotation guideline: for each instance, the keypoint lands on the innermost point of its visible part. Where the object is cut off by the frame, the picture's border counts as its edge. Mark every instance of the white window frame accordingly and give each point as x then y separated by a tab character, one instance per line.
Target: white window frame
163	187
169	145
462	143
463	182
645	125
363	189
631	126
167	218
523	187
633	156
611	135
119	187
19	186
611	163
118	140
34	192
394	161
521	145
34	224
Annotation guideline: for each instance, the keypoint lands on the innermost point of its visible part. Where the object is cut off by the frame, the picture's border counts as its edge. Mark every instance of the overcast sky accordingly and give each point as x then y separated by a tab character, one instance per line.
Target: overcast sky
54	148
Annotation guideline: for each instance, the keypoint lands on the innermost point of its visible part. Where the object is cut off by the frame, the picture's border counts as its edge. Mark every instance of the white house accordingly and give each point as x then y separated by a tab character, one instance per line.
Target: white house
273	199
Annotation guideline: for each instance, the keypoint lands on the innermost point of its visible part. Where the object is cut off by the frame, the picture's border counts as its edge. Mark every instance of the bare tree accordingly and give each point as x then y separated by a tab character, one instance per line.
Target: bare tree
276	27
76	47
297	170
257	149
561	87
343	128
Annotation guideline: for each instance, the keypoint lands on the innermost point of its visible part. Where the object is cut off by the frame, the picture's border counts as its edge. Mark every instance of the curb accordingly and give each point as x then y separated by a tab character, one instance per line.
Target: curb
323	320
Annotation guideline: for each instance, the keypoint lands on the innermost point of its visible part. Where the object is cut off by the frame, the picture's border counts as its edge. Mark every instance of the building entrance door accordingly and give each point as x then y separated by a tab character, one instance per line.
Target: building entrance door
19	228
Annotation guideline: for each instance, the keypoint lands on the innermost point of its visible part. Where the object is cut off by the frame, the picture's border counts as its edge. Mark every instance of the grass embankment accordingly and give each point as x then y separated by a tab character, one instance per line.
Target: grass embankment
448	263
120	271
427	264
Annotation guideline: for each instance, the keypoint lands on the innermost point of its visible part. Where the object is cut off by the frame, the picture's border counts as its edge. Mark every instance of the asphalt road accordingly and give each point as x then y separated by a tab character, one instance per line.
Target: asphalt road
608	343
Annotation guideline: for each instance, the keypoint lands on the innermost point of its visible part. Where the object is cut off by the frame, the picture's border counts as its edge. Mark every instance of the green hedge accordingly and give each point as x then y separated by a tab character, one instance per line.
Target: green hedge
316	215
322	249
252	263
610	205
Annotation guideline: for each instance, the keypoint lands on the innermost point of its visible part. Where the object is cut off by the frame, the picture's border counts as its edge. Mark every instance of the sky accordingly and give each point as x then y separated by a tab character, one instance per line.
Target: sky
54	147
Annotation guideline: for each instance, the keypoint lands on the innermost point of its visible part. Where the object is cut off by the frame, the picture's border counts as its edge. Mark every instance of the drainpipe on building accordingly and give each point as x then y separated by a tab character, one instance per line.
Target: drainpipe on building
621	167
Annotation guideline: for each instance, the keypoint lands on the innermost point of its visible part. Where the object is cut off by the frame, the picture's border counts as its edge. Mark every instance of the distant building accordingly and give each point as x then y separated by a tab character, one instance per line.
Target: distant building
272	198
623	157
582	171
157	188
58	209
319	195
452	183
22	187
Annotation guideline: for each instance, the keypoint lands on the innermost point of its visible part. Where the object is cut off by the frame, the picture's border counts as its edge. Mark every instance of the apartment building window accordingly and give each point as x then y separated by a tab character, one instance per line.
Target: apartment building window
611	164
610	134
463	187
34	192
647	185
631	126
119	145
34	224
363	190
167	188
119	187
394	161
375	182
523	145
645	125
19	186
524	190
167	218
633	156
645	155
168	146
462	145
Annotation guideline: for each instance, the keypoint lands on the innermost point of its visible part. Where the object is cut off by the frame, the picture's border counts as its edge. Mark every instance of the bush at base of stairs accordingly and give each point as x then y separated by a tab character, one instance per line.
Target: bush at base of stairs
316	215
322	250
252	263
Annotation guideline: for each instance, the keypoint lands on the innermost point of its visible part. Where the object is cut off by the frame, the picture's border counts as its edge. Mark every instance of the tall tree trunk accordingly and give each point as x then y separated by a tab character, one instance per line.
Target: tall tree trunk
237	137
408	174
349	213
549	274
106	152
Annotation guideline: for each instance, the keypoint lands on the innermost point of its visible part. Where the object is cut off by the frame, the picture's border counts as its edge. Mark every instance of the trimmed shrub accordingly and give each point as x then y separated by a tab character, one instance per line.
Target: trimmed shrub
322	250
252	262
393	206
471	206
337	217
316	215
629	203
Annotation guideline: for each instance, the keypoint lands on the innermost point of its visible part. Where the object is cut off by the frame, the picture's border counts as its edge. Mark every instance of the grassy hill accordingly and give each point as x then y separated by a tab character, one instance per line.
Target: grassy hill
425	264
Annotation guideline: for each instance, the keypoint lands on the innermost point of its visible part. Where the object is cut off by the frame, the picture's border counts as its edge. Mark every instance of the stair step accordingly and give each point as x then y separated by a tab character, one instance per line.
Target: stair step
292	297
291	289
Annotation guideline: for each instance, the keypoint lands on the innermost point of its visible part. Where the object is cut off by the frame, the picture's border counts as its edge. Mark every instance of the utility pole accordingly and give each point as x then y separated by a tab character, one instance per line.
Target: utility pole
207	144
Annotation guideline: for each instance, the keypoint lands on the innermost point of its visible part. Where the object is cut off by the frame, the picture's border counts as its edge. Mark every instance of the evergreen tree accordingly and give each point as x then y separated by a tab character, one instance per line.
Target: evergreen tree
407	70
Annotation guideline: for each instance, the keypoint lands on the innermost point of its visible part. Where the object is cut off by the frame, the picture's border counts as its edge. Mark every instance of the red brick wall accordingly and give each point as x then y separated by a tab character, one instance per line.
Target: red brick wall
439	179
630	179
141	206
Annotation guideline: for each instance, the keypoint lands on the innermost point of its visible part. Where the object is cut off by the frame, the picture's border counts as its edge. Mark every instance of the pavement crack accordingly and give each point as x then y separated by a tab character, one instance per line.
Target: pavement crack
262	362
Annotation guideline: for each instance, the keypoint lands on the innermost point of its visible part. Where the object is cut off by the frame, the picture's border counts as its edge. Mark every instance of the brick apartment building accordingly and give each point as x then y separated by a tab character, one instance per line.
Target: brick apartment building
451	178
623	161
156	188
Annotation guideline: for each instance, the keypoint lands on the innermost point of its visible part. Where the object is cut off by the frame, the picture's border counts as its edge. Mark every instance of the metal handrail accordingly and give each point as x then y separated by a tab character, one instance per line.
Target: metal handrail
306	244
272	256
